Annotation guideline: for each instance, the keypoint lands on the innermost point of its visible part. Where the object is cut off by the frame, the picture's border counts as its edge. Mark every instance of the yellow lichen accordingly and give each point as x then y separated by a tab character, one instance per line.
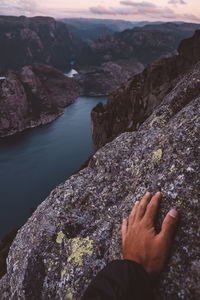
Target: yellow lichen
60	237
63	272
69	296
138	172
160	120
157	156
80	247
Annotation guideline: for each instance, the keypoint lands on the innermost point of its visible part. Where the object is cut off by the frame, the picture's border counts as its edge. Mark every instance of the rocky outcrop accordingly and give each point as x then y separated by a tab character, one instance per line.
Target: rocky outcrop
103	80
76	230
134	101
137	45
26	41
34	96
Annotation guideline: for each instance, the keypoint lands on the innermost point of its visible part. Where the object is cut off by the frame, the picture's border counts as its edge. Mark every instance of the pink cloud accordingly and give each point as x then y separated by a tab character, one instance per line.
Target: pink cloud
138	4
101	10
175	2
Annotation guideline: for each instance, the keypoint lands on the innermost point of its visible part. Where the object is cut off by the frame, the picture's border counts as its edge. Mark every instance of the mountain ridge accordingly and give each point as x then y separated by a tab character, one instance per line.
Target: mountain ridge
134	101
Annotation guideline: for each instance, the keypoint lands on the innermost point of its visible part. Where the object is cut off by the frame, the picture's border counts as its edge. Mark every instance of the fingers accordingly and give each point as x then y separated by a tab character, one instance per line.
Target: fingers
133	212
124	229
152	208
168	227
142	206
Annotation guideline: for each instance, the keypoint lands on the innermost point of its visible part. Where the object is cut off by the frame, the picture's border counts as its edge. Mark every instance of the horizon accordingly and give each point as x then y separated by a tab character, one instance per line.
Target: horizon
134	11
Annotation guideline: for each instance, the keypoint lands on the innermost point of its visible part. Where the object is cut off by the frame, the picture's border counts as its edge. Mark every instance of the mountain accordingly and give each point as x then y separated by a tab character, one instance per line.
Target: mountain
25	41
137	45
113	25
86	32
101	81
75	232
34	96
134	101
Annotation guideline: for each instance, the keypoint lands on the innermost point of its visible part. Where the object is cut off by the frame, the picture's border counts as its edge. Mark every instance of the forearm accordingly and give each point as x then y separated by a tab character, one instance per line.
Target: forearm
120	280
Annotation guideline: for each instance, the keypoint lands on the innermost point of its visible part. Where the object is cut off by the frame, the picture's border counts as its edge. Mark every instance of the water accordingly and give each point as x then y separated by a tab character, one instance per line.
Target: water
34	162
71	73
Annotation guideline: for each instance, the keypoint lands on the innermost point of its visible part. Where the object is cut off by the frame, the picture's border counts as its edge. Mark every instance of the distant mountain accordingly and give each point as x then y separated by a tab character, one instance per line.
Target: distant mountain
24	41
140	44
84	35
113	25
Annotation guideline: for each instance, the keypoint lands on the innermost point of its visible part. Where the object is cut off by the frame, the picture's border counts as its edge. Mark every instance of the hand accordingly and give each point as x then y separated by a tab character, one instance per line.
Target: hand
140	242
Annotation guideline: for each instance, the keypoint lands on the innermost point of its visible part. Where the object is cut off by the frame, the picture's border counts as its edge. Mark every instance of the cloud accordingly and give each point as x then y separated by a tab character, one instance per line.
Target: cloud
175	2
191	18
138	4
141	8
102	10
18	7
145	10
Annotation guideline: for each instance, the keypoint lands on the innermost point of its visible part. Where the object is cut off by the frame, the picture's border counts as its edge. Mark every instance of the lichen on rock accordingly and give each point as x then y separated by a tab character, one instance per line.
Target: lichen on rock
80	247
157	156
76	230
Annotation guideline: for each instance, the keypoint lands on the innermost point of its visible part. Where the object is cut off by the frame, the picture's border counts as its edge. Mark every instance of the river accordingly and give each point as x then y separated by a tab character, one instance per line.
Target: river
35	161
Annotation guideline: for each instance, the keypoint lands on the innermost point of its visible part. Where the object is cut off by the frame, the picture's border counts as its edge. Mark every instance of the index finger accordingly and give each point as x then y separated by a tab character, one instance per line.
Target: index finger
152	208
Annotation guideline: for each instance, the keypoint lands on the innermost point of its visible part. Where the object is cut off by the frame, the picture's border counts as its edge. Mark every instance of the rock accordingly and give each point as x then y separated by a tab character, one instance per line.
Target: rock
134	101
136	46
76	230
103	80
34	96
26	41
5	244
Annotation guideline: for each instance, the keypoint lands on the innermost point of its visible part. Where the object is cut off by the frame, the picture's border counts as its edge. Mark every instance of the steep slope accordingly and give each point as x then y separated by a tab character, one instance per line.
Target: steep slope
34	96
134	101
137	45
26	41
101	81
76	230
86	31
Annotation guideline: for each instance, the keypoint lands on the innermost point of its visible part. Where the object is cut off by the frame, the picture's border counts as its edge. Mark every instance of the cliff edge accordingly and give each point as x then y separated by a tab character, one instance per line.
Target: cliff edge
34	96
76	230
134	101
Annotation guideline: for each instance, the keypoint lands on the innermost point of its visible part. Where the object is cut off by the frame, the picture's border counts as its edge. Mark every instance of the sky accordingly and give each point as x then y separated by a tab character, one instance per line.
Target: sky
152	10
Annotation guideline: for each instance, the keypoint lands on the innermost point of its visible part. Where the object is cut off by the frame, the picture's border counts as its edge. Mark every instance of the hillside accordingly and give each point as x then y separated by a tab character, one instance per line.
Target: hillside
25	41
138	45
76	230
33	96
134	101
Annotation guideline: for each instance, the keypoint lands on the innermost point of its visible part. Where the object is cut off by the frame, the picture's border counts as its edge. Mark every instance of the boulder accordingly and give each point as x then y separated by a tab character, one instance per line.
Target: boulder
75	232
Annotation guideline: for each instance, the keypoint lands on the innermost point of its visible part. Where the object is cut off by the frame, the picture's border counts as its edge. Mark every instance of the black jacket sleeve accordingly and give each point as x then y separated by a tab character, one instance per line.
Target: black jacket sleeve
120	280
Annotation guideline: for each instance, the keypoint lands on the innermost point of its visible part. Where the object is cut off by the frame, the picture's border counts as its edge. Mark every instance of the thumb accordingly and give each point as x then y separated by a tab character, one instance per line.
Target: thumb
169	225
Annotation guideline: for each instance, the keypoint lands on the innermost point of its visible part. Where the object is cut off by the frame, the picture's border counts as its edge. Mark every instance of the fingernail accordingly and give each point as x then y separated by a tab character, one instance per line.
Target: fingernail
158	193
137	202
148	193
173	213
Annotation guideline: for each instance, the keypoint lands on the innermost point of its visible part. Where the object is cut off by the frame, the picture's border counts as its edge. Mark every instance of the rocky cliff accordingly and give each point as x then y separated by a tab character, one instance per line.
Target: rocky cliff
134	101
26	41
101	81
76	230
136	46
34	96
